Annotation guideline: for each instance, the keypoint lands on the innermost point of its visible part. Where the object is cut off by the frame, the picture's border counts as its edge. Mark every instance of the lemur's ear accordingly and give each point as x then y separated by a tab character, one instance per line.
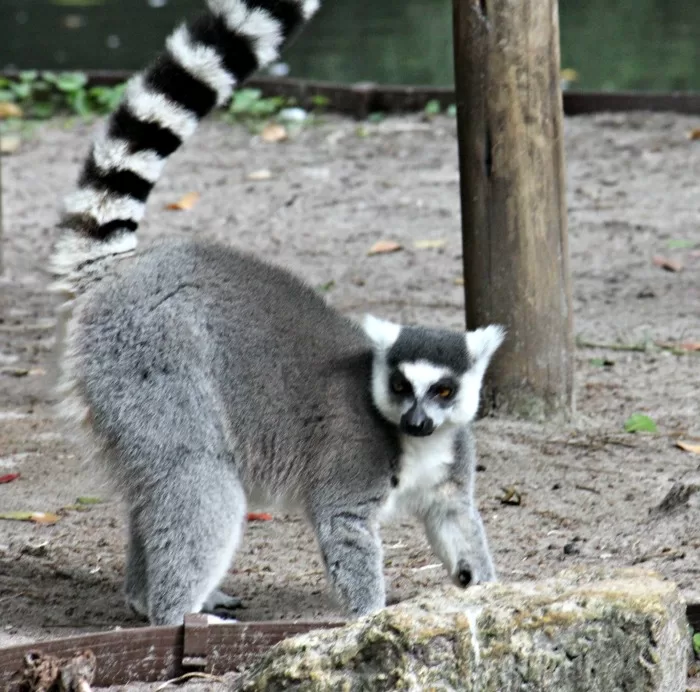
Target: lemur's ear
482	343
381	333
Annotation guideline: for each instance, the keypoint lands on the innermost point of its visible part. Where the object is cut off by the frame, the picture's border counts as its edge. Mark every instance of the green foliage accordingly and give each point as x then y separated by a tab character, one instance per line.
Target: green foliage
250	105
319	102
42	95
638	422
696	644
432	107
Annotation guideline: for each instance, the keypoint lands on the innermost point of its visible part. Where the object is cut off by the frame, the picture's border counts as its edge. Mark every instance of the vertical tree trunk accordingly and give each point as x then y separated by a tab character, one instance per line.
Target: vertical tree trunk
514	230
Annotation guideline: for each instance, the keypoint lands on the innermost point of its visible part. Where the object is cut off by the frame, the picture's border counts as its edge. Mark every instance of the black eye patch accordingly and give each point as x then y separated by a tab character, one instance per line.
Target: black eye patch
444	390
399	385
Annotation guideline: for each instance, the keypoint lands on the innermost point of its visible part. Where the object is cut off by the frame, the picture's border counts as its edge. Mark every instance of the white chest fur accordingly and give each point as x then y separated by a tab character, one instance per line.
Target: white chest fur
425	464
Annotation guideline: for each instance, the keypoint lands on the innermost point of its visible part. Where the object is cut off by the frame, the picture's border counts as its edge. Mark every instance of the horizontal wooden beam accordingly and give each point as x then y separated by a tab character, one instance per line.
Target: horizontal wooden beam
361	99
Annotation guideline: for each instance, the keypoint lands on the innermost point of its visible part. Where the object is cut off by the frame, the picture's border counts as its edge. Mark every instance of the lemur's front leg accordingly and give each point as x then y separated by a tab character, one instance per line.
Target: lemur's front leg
352	553
456	533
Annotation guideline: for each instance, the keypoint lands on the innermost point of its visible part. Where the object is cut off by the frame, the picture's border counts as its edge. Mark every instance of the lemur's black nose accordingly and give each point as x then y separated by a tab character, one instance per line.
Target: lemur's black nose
415	422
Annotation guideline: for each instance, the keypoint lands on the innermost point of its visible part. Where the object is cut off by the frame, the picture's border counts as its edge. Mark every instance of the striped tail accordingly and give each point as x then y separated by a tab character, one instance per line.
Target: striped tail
204	60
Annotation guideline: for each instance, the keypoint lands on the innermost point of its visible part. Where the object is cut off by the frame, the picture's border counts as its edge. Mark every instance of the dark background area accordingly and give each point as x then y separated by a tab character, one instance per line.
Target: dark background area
611	44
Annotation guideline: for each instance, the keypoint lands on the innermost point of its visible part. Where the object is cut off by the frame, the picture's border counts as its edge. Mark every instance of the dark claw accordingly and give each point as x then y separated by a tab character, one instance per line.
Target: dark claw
464	576
226	613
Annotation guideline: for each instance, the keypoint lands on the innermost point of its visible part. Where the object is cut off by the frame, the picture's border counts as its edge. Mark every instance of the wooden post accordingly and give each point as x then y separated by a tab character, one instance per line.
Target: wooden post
516	264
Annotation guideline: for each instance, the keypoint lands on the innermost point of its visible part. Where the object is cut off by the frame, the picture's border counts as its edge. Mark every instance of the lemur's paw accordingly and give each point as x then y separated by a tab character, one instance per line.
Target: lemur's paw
464	576
219	601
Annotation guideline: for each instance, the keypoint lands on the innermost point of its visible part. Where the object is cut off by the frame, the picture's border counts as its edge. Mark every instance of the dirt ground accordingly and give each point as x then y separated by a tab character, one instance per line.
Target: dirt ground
589	489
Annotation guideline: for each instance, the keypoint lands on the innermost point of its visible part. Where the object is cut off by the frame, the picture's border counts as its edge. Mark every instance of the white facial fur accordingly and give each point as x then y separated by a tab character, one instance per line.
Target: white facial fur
481	345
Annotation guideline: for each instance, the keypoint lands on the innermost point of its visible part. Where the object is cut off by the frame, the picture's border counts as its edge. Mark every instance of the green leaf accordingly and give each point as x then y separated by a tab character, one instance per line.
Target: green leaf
106	99
325	287
28	76
78	101
22	90
6	95
452	110
88	501
243	100
602	362
71	81
681	244
320	101
696	644
638	422
376	117
432	107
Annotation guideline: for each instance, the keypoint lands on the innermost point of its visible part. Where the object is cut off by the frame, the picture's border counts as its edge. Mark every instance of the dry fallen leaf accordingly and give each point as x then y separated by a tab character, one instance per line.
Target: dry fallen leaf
687	346
429	244
511	496
459	281
15	372
259	516
185	202
668	264
10	110
36	517
9	477
694	134
695	449
273	132
9	144
262	174
382	247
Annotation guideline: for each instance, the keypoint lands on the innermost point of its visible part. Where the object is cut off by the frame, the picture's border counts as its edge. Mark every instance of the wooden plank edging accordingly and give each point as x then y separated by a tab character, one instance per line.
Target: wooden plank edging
150	654
361	99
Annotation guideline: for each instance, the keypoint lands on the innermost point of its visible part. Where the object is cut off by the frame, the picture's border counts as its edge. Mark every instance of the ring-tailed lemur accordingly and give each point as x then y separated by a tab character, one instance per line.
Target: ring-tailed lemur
206	379
204	60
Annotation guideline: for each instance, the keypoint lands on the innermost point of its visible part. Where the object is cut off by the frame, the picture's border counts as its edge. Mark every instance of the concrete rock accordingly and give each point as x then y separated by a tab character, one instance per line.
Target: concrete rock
587	631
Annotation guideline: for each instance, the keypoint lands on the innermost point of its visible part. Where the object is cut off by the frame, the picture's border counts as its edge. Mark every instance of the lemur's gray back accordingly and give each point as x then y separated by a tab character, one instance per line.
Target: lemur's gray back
291	376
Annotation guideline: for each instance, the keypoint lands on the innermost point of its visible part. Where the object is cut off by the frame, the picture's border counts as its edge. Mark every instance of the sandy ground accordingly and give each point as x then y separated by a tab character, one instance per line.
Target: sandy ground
589	489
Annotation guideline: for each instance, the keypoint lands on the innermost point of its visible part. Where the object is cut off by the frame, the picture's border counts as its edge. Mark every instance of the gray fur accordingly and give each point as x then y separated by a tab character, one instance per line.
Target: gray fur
208	379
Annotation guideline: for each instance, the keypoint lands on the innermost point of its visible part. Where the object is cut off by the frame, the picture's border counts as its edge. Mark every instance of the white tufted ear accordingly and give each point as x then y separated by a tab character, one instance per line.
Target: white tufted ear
482	343
381	333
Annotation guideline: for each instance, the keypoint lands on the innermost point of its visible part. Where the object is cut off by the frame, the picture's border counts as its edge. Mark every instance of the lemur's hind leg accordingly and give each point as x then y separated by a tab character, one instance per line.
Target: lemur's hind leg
135	586
185	526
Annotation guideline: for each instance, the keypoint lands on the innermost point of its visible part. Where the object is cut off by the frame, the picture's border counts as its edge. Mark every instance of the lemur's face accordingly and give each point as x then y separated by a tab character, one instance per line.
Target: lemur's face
425	379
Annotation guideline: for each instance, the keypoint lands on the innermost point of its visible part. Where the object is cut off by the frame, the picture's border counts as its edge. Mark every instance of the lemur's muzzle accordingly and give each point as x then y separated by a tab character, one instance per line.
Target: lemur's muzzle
415	422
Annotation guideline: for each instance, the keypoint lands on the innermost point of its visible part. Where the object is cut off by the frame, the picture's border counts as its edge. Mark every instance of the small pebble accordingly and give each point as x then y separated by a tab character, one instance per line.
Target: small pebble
294	115
571	549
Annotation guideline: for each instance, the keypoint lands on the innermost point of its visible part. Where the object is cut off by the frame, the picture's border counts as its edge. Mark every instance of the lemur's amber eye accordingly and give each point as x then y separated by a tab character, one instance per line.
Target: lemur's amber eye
445	392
